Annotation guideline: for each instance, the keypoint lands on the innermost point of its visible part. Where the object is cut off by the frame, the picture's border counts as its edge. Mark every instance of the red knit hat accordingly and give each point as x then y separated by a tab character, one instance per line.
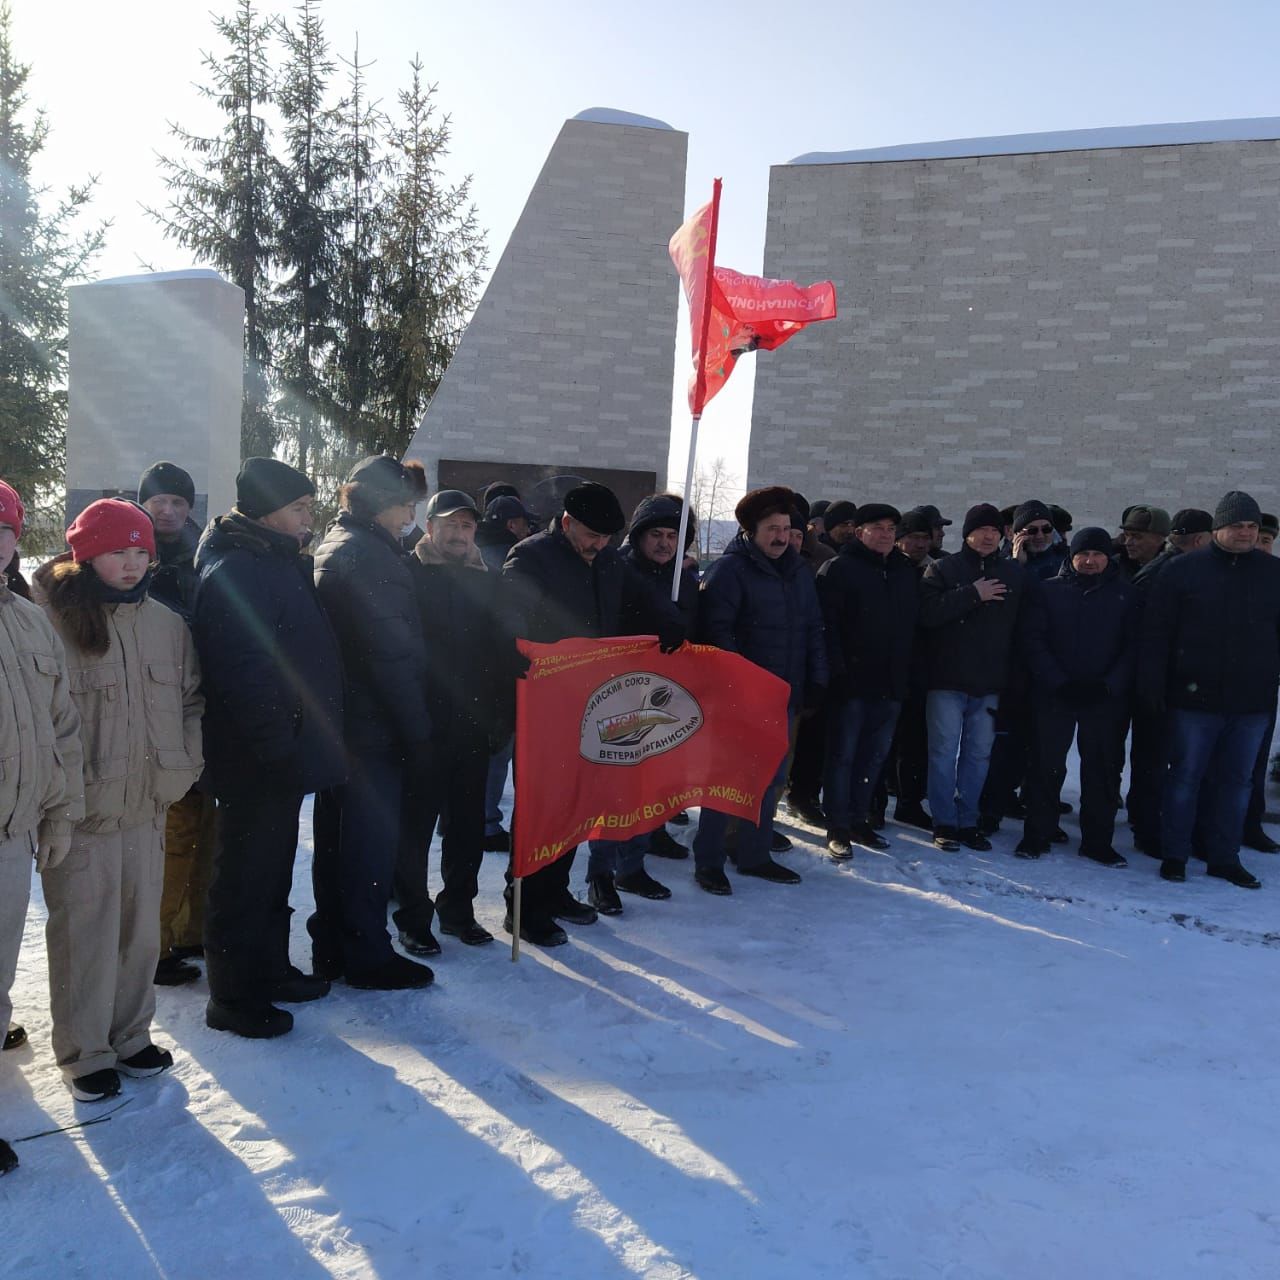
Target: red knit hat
110	524
12	512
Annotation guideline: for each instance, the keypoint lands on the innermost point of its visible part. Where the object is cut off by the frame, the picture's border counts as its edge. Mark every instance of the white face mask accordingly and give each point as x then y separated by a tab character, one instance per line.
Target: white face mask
406	530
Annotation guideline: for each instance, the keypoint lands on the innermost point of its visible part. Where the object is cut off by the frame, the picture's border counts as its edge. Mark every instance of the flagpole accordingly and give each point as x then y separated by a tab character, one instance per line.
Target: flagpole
699	389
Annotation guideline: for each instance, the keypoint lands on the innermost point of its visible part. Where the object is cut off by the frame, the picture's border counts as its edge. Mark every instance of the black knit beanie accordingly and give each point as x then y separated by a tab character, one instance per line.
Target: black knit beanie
596	506
1091	539
1236	507
265	485
981	516
1029	511
166	477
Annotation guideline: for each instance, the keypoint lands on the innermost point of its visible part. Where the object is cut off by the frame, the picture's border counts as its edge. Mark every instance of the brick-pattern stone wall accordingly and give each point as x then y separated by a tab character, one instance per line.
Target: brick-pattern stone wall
569	358
1096	328
155	372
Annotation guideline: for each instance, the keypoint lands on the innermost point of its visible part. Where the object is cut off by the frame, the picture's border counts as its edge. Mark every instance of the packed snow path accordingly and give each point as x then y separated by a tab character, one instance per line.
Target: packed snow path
916	1065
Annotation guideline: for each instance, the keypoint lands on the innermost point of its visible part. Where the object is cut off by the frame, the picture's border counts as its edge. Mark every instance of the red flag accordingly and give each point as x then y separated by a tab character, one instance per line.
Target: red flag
736	313
614	737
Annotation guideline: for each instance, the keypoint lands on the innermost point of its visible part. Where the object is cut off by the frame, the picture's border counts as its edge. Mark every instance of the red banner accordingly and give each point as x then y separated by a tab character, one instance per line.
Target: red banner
614	737
736	313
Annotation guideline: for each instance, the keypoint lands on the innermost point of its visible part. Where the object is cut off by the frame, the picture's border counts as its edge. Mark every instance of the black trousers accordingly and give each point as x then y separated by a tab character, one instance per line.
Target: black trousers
1099	733
1258	796
447	785
246	926
543	891
809	761
1148	764
910	754
357	827
1012	755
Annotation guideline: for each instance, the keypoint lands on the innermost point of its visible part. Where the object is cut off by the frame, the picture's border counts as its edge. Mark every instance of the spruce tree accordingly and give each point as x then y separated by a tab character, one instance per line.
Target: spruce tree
220	199
431	255
40	254
308	230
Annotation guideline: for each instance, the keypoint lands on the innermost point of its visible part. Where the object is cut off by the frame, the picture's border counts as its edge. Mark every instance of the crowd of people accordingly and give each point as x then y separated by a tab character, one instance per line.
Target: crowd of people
172	695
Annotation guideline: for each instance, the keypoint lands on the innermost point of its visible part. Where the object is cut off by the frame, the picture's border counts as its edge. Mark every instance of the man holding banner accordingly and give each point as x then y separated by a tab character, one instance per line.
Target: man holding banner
564	583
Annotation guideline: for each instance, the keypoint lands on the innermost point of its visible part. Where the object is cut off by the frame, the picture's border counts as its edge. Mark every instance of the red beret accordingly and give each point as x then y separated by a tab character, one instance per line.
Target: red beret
110	524
12	512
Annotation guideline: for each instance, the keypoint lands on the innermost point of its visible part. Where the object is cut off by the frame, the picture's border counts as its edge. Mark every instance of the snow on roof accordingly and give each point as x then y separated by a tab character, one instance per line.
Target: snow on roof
1140	135
155	277
607	115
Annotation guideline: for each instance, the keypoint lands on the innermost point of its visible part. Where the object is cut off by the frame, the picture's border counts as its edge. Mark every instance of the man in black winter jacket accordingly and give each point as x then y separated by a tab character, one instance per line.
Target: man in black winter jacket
569	582
471	670
365	585
272	682
759	600
969	606
506	521
870	596
1211	656
1080	640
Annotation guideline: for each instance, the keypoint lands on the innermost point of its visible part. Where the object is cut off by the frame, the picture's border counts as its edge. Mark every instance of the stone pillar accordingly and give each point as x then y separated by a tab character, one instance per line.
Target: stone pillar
156	372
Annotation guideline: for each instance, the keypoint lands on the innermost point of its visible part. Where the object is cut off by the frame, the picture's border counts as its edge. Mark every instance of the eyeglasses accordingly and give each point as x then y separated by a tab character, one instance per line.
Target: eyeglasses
1037	528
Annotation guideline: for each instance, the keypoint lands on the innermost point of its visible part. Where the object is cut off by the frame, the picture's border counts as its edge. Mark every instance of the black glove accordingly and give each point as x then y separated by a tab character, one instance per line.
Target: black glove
671	637
814	696
520	664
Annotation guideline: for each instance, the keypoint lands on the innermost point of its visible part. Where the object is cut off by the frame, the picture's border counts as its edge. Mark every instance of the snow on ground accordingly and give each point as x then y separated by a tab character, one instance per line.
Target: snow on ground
917	1065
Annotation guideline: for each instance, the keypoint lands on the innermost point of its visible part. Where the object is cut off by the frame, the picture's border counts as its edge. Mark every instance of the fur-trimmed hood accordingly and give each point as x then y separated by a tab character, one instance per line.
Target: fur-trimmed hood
427	553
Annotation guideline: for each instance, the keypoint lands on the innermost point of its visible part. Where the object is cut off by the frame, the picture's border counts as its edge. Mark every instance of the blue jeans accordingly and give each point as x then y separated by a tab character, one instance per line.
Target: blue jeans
617	857
1219	750
961	730
494	786
753	839
859	735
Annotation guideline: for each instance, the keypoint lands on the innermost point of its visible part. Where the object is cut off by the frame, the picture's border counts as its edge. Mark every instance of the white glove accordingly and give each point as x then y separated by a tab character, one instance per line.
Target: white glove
51	850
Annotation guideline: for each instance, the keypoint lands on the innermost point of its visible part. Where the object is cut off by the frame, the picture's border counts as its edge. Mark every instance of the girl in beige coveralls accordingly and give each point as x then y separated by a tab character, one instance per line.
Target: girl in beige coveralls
135	681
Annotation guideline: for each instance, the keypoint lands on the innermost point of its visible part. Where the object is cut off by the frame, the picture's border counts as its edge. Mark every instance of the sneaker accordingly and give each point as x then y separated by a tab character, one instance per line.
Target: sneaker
1104	857
570	910
468	932
807	810
681	819
419	942
541	933
713	881
603	896
865	835
839	844
172	972
97	1086
772	871
1259	841
398	973
1236	875
15	1036
297	987
1030	848
972	838
663	845
149	1061
8	1160
912	815
496	841
1173	870
779	843
946	838
643	885
253	1022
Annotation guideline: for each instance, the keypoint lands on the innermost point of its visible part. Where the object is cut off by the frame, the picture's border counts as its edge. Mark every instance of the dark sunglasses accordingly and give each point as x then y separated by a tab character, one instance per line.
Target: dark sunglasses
1038	528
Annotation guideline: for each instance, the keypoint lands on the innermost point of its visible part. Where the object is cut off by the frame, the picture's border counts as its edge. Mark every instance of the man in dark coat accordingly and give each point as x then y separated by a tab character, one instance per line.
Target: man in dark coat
272	682
569	582
969	606
1142	535
1080	639
759	600
1211	657
471	670
366	588
650	552
167	493
870	596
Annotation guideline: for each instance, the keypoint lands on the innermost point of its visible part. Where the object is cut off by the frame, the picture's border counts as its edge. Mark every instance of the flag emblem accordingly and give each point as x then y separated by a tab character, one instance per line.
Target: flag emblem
635	716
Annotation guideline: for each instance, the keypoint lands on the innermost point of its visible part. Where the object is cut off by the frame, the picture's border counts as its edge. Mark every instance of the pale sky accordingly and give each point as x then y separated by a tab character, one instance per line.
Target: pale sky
753	84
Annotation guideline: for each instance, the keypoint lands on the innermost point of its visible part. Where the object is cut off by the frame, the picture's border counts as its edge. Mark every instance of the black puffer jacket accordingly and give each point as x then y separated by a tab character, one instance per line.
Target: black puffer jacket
970	644
494	541
1046	564
1081	627
366	587
555	594
1211	633
766	610
658	579
174	580
471	654
869	606
269	663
